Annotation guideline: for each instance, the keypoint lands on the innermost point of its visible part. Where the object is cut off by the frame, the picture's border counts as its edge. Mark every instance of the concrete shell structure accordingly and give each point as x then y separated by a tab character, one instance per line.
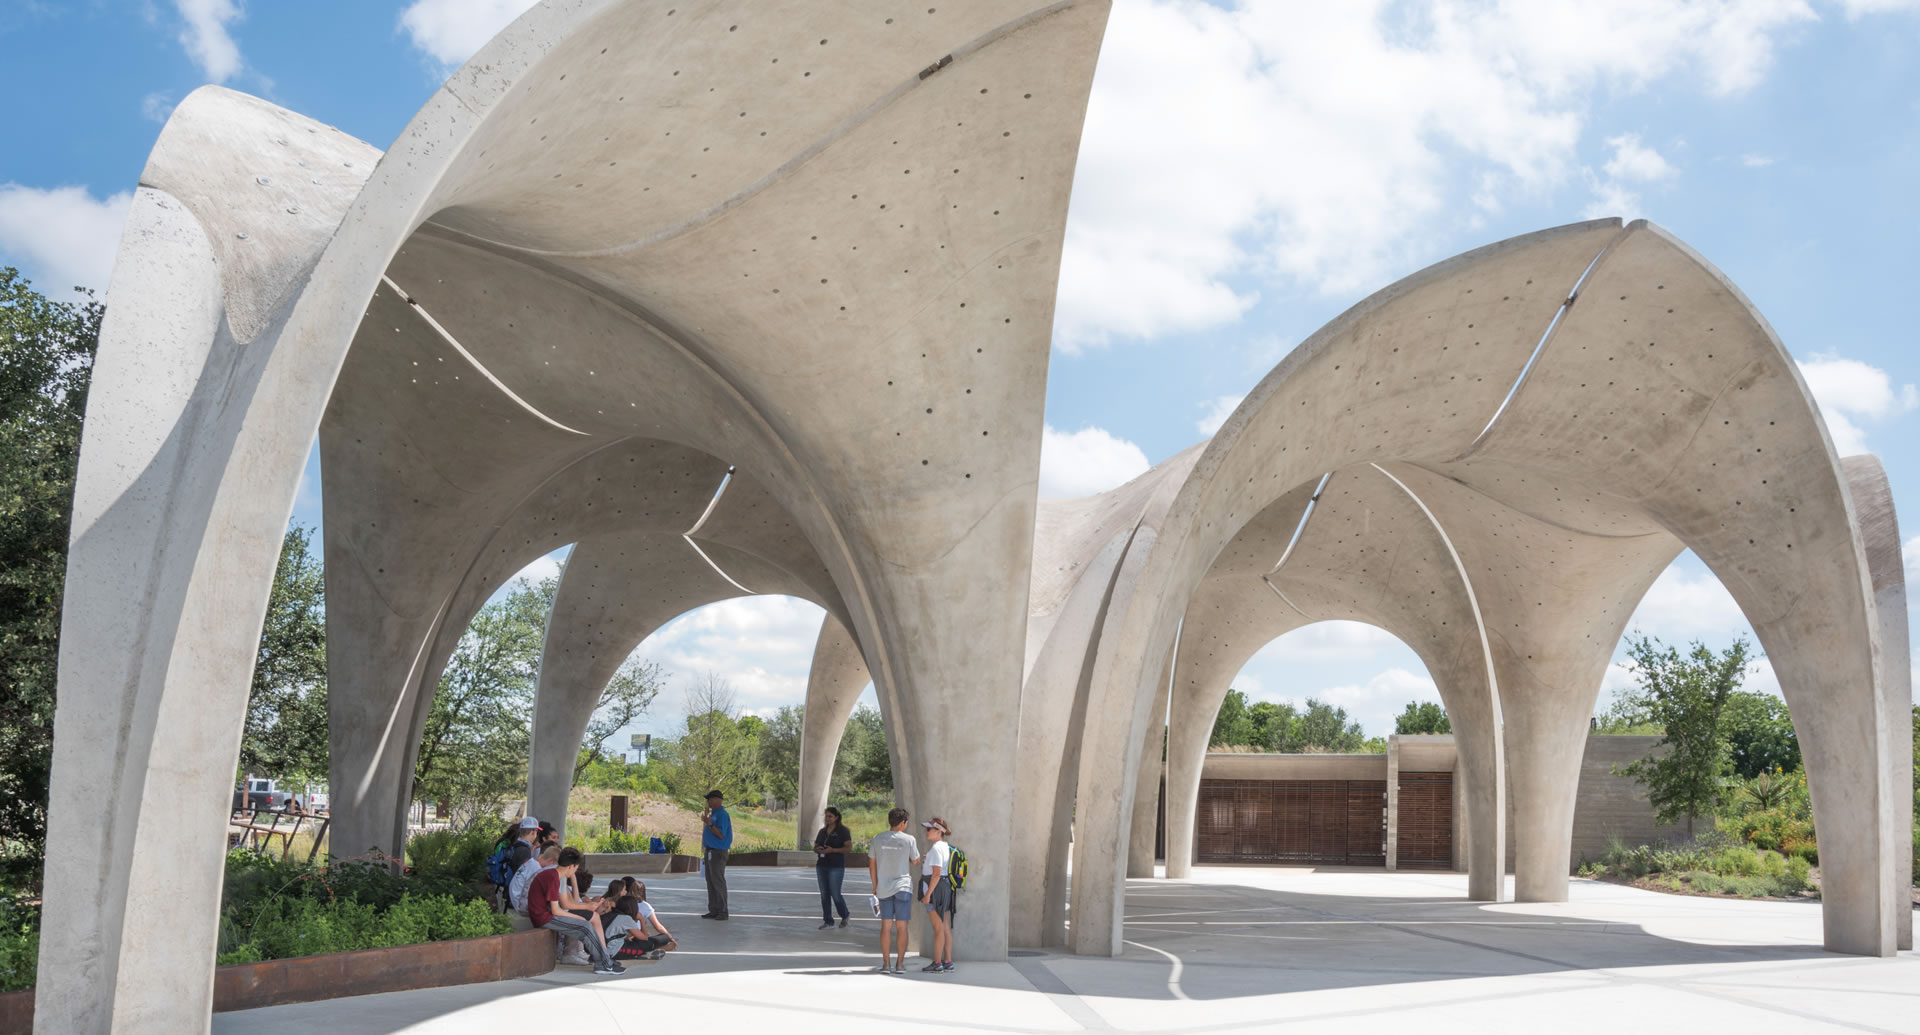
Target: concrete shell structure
632	253
815	245
1569	409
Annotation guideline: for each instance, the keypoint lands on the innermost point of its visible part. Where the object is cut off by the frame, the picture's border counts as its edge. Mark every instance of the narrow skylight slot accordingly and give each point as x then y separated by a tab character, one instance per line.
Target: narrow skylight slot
1299	528
421	311
1538	346
725	480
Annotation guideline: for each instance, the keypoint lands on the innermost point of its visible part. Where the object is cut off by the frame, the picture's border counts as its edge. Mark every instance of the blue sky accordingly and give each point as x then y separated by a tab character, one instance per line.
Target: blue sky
1247	173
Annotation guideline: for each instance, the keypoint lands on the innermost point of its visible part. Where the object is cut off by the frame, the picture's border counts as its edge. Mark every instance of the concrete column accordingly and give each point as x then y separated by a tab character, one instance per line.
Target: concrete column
838	676
1146	791
1393	803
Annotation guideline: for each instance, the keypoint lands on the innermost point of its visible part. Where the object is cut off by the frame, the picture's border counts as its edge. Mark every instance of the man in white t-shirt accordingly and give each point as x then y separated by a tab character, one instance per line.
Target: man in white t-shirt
936	893
890	860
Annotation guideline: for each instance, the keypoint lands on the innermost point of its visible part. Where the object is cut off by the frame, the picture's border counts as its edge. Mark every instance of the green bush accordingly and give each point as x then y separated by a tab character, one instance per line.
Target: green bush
286	928
19	959
618	841
672	843
445	854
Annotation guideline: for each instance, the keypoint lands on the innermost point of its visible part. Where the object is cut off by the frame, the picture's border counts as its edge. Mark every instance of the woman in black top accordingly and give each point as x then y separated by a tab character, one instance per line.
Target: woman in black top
831	846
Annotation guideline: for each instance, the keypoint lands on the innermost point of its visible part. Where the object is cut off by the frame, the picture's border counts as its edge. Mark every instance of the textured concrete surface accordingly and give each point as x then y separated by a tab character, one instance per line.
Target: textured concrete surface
531	286
829	272
1569	409
1231	949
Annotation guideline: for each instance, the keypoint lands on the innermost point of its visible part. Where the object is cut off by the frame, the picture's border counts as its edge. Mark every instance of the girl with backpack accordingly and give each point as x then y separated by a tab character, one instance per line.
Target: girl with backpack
936	893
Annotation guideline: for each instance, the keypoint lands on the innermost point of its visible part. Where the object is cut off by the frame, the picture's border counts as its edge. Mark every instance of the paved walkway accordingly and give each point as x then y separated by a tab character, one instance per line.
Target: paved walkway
1232	950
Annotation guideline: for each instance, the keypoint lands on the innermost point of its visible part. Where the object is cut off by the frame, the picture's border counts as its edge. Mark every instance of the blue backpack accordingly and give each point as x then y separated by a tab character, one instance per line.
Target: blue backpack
498	870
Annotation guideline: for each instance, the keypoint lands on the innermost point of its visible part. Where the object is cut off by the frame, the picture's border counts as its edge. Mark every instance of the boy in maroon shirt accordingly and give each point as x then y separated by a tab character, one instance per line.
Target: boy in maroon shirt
546	907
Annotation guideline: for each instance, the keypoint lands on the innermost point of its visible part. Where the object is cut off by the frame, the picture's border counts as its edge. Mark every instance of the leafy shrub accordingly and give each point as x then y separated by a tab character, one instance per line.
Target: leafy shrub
288	927
19	958
445	854
672	842
618	841
740	848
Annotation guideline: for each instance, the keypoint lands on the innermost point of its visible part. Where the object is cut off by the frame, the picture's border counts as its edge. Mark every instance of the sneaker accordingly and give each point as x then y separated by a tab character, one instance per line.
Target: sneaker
654	954
707	916
883	969
931	968
843	921
577	959
610	968
898	969
825	924
947	967
720	916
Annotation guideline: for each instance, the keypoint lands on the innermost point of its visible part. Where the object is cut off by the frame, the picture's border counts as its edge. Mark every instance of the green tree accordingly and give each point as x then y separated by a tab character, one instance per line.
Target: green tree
862	764
779	751
1325	728
1759	733
627	697
46	361
473	749
1272	725
1232	725
1422	717
1686	697
286	730
713	753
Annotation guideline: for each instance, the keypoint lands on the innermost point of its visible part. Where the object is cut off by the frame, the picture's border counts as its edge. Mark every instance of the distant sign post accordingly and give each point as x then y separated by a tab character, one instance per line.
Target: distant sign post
641	743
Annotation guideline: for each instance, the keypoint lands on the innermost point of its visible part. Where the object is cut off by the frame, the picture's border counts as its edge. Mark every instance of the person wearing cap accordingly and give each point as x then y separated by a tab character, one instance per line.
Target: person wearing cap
936	893
716	838
524	847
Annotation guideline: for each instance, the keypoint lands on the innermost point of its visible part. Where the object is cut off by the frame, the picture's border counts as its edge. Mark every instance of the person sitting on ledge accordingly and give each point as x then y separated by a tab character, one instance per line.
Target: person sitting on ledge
522	877
551	904
627	935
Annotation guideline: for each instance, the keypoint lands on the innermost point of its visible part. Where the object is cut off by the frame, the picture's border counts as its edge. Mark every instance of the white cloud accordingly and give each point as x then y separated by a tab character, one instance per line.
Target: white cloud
206	38
1684	605
761	645
1611	199
1373	702
1328	641
156	106
1081	463
1753	161
1860	8
1910	552
62	236
449	31
1633	160
1849	392
1217	413
1324	144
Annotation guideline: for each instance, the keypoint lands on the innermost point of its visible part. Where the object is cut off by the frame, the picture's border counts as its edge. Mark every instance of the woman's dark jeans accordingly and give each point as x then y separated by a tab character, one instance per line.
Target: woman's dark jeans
830	878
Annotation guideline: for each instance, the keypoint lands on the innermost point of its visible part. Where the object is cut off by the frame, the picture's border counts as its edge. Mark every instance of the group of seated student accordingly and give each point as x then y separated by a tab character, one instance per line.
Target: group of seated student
550	890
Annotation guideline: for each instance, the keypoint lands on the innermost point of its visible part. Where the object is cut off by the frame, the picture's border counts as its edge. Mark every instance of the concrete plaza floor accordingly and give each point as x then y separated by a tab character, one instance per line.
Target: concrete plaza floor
1233	950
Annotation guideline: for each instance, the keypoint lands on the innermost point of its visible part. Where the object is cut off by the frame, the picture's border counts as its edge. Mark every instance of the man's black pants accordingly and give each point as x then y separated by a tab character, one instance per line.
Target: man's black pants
716	867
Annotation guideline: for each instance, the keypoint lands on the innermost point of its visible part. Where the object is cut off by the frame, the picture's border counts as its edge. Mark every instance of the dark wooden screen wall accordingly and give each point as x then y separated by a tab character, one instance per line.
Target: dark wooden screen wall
1338	822
1425	827
1330	822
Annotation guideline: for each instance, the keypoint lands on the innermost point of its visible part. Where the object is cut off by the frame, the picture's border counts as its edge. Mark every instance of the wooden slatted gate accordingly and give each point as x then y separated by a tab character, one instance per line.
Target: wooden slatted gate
1338	822
1425	822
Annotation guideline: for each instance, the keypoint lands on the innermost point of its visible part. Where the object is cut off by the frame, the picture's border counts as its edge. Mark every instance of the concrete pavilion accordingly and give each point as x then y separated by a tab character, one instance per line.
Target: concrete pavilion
633	255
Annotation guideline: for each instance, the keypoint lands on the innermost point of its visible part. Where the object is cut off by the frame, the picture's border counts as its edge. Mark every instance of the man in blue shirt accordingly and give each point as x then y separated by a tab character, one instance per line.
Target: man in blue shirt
715	839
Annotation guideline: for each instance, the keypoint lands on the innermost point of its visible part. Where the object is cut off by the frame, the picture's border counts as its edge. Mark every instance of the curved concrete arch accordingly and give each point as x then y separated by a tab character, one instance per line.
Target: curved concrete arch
616	591
1368	552
654	247
834	682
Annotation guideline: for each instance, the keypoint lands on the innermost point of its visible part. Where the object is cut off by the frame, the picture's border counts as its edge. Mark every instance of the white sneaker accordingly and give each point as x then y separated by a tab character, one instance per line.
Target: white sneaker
578	959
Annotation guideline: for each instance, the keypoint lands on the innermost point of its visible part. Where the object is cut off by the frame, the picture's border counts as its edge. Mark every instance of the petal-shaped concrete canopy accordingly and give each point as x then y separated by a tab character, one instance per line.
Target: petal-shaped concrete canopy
1569	409
816	244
